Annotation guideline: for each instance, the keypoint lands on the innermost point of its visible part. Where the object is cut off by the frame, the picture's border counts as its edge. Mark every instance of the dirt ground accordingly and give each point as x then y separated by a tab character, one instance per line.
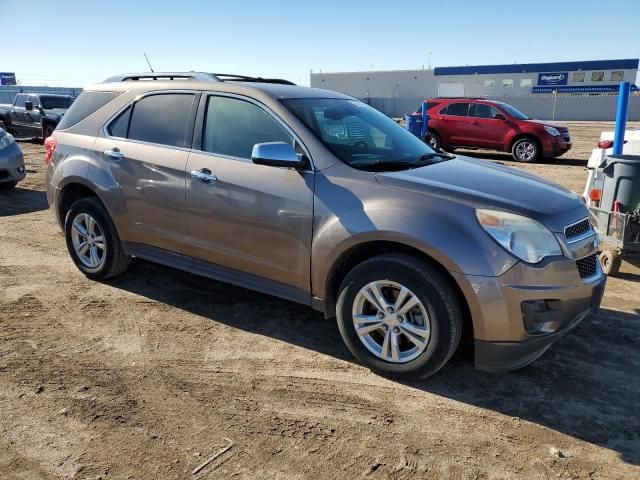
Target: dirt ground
149	375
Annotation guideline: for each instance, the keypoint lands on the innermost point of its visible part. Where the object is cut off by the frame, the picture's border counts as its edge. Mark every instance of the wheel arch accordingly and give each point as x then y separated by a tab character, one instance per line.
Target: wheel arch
361	252
69	193
523	135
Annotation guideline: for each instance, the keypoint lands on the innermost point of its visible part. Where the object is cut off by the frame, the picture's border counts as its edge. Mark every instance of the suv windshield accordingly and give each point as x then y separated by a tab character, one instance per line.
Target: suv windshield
55	102
360	135
512	111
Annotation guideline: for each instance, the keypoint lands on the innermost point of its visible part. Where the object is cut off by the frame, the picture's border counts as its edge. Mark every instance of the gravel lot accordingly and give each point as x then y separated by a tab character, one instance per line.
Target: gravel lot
149	375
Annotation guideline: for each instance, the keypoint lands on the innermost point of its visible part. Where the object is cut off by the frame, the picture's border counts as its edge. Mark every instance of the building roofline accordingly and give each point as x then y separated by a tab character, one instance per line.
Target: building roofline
622	64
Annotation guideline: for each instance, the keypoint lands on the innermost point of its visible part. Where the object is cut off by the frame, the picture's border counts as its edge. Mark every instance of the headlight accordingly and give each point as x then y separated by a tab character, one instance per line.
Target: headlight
552	131
524	237
6	139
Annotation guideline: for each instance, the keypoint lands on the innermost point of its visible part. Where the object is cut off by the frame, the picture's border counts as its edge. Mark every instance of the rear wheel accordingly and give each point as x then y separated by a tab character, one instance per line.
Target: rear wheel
399	316
92	240
433	139
525	150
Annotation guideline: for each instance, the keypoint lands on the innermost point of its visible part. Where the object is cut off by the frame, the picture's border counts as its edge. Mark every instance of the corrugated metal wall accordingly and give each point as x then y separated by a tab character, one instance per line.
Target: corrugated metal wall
543	107
8	93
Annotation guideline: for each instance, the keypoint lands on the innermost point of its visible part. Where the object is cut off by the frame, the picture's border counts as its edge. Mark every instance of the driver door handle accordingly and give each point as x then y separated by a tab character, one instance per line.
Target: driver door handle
204	175
114	154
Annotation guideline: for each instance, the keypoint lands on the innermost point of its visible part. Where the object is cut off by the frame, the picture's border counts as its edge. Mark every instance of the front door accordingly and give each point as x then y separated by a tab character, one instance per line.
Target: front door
146	152
484	129
247	221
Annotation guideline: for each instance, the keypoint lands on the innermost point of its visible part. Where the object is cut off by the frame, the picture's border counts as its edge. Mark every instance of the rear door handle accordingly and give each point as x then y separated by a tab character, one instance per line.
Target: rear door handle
204	175
114	154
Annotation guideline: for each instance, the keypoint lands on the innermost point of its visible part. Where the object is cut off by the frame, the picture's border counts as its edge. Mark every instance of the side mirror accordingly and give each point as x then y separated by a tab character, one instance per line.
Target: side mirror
499	116
275	154
28	105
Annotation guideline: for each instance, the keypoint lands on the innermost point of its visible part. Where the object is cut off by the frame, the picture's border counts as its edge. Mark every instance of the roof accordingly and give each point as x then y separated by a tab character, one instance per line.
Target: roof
624	64
209	82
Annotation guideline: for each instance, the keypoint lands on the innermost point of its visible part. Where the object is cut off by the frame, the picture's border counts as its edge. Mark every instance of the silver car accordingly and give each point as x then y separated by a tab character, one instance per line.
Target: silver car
12	168
316	197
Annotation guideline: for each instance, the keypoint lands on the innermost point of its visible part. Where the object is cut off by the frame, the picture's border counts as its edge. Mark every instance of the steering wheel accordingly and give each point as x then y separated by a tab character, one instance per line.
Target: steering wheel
359	147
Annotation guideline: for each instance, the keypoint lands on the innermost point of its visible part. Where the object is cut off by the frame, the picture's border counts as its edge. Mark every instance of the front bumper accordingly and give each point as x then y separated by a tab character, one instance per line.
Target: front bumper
556	147
504	339
12	167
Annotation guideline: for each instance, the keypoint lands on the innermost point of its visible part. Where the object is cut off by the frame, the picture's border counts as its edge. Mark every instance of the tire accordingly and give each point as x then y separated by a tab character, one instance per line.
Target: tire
7	185
47	131
433	139
526	150
112	258
611	261
449	149
436	298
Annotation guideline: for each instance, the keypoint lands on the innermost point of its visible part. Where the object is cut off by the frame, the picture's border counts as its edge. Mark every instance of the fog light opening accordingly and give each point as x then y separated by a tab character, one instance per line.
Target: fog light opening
540	317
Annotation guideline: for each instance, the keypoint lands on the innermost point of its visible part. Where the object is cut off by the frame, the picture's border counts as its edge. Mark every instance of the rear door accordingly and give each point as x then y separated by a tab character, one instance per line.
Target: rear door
455	121
146	148
485	130
254	221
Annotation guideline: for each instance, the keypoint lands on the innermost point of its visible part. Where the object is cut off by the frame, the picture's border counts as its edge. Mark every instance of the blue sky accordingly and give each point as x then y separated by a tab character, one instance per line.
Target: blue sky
76	42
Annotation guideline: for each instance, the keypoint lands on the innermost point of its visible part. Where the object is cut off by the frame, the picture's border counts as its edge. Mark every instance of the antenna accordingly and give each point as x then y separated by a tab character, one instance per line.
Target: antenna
148	62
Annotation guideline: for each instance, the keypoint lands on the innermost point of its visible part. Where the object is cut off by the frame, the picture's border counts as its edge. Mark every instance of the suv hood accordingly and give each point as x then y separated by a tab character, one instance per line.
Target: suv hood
548	123
482	184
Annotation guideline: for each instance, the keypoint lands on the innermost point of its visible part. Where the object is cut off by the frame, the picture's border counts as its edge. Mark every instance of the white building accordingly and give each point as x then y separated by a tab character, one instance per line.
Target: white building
588	77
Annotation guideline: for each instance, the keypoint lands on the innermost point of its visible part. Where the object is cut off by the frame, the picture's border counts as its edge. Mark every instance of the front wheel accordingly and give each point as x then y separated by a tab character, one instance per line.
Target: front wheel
47	131
93	242
525	150
399	316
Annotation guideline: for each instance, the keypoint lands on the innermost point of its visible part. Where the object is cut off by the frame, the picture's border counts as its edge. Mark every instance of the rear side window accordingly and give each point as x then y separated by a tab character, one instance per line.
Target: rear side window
233	127
119	127
161	119
459	109
87	103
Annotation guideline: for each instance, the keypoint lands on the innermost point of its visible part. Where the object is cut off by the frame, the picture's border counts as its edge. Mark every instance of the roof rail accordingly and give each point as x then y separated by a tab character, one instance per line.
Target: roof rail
127	77
230	77
198	76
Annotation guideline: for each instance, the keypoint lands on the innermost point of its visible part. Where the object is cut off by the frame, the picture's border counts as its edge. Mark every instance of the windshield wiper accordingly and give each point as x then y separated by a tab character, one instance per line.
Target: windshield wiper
429	156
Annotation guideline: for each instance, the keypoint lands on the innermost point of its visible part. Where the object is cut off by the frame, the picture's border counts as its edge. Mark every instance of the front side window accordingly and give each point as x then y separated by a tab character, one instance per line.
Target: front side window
617	76
35	101
161	119
577	77
481	110
359	135
21	100
597	76
458	109
233	126
507	83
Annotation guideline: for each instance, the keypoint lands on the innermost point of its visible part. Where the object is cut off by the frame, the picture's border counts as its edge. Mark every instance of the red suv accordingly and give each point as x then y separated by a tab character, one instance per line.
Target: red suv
478	123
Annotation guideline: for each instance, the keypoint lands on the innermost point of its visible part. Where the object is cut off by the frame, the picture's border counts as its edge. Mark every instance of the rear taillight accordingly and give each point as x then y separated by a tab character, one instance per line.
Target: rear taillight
605	144
50	145
595	195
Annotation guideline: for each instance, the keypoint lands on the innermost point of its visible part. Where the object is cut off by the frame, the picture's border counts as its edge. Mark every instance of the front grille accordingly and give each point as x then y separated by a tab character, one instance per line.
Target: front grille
587	266
577	229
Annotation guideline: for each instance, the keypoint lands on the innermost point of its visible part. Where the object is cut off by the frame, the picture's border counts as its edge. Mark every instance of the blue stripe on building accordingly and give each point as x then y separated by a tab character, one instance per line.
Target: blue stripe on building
624	64
582	89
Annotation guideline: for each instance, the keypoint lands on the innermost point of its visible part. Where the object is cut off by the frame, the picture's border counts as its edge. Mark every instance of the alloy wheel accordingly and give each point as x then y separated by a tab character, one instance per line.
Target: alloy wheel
525	151
391	321
88	240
